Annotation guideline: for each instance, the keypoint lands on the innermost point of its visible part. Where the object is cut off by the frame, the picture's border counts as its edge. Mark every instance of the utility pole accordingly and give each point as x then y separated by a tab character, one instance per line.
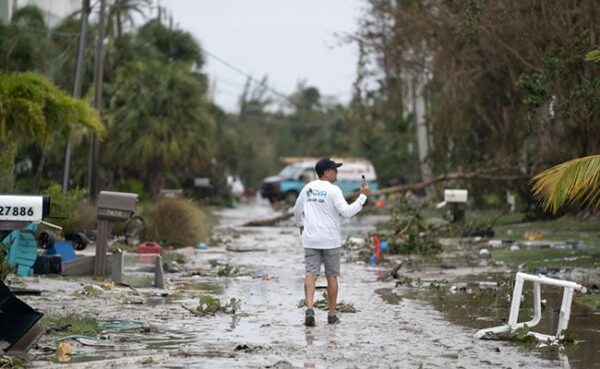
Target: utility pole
98	76
419	106
85	11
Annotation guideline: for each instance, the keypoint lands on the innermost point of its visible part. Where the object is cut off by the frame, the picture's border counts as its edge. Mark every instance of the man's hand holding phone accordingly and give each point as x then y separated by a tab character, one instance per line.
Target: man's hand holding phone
364	186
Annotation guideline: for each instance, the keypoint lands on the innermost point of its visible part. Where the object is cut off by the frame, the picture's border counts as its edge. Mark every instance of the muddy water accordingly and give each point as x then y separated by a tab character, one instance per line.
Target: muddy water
485	308
407	333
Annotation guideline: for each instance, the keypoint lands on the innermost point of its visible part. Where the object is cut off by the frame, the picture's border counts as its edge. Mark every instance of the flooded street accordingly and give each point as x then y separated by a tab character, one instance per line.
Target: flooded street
389	329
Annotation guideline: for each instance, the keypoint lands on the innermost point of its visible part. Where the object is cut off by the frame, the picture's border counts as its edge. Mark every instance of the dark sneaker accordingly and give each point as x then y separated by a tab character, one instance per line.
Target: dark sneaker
333	319
309	321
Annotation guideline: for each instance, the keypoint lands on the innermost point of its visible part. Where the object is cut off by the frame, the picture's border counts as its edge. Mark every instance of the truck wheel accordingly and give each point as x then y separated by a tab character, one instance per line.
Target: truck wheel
290	197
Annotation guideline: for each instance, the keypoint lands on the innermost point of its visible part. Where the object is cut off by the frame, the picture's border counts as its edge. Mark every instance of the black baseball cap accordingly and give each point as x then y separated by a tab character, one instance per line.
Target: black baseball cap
325	163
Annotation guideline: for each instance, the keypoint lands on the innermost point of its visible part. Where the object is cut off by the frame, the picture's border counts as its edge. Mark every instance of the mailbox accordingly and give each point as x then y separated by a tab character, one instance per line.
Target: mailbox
116	206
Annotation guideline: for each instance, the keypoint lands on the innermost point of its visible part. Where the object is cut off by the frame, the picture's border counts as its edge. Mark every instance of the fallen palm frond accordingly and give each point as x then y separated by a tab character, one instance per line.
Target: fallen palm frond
576	180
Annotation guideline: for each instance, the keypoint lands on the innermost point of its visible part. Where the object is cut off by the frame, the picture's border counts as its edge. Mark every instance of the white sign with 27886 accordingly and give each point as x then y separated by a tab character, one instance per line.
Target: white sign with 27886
21	208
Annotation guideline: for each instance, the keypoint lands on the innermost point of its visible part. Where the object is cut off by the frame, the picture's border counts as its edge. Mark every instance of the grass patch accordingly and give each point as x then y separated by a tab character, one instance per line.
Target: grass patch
549	258
63	325
562	229
12	362
591	302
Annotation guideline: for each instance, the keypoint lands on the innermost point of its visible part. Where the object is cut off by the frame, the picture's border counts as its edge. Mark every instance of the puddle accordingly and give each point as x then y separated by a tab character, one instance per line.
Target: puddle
388	296
479	308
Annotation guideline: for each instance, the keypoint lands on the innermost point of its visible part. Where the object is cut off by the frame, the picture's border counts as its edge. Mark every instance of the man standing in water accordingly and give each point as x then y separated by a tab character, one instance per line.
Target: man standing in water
317	212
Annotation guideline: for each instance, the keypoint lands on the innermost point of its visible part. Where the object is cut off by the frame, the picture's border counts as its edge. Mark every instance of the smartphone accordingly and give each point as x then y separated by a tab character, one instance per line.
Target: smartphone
364	180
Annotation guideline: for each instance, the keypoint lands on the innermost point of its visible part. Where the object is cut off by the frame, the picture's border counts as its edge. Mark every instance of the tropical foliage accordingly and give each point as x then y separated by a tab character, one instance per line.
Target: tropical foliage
508	85
33	108
576	180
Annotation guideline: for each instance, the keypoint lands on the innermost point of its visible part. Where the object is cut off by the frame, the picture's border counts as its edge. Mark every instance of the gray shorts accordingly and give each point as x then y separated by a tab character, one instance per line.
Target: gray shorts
313	258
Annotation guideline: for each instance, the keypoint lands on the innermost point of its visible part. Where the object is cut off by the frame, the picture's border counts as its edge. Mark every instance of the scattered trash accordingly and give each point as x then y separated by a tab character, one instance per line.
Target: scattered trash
64	351
499	243
342	307
384	245
209	305
531	236
572	245
201	246
488	285
148	252
261	275
228	271
19	327
484	253
124	325
392	273
520	332
376	247
495	243
241	248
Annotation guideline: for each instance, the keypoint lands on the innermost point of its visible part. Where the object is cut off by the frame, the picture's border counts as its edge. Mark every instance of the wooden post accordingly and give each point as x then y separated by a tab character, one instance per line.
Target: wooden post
159	273
101	246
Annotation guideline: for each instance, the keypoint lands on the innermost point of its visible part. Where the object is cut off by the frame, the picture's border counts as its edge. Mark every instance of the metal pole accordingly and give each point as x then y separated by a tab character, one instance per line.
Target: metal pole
98	75
85	11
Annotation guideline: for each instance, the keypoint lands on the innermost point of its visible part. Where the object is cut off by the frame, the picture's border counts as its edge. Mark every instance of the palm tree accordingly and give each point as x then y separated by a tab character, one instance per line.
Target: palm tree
160	120
123	10
572	181
32	107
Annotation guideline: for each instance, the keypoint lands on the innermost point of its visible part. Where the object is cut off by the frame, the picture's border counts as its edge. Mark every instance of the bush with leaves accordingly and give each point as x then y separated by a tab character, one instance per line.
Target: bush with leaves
5	269
70	210
409	232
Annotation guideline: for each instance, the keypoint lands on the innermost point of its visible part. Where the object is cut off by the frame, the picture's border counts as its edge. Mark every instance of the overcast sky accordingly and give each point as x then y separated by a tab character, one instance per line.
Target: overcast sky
287	40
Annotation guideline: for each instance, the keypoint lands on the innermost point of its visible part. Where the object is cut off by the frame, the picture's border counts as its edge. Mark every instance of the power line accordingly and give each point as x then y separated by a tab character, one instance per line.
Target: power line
238	70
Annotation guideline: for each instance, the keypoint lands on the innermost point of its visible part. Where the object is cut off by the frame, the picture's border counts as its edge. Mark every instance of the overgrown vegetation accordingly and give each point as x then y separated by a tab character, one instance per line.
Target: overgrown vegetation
522	335
537	258
228	270
71	210
409	233
175	222
210	305
591	302
61	325
12	362
5	269
323	304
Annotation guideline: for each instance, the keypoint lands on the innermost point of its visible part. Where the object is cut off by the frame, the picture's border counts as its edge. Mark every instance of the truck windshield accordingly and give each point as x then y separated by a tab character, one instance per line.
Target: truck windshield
289	171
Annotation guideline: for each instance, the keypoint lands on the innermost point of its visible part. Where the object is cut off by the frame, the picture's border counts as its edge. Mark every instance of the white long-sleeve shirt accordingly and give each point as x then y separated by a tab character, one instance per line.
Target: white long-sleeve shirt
318	208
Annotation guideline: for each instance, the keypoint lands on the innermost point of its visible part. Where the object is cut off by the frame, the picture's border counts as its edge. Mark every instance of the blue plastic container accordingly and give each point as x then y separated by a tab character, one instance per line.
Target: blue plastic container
64	249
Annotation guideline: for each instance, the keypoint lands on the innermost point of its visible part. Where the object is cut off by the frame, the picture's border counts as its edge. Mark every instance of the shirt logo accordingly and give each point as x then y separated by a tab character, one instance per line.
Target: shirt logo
316	195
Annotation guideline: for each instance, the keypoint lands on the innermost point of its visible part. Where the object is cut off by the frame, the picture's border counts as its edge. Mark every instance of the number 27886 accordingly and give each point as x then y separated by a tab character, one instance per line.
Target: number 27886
16	211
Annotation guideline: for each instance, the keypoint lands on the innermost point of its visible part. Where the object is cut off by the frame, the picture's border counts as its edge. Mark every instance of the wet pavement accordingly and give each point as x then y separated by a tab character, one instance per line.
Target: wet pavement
388	331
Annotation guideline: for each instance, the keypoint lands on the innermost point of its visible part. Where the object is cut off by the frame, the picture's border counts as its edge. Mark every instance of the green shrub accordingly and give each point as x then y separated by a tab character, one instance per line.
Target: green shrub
132	185
175	222
71	324
409	233
5	269
70	210
7	166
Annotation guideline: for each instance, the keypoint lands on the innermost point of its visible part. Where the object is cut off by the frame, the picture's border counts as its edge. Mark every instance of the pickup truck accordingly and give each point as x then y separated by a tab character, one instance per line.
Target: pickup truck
298	172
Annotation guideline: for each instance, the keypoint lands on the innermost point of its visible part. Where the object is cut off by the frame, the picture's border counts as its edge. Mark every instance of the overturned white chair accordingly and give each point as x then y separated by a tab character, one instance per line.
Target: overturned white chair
538	280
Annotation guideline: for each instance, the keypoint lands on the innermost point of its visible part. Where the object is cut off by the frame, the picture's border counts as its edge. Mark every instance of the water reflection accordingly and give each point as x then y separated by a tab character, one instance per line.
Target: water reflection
310	338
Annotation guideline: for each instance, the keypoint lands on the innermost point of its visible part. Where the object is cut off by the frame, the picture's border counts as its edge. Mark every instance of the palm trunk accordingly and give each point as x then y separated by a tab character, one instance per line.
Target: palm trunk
7	167
155	182
38	173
